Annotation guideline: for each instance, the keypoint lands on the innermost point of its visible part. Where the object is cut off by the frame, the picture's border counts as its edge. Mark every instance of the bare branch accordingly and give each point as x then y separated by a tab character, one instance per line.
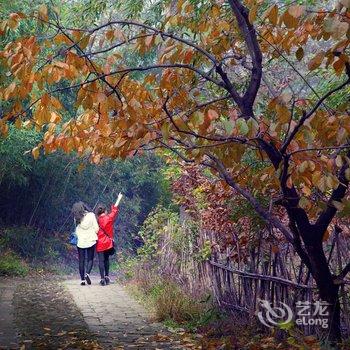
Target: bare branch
143	26
93	53
310	113
249	34
196	135
319	149
345	271
176	152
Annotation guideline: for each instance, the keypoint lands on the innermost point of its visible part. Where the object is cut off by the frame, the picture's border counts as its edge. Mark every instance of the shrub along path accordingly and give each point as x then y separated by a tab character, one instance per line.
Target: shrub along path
46	313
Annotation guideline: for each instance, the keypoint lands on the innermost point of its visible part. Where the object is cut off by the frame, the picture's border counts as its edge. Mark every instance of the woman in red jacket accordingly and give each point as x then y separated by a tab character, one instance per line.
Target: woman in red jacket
105	241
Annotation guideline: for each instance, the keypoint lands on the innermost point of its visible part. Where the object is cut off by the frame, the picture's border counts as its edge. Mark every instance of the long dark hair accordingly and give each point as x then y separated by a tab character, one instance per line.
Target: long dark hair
79	210
100	209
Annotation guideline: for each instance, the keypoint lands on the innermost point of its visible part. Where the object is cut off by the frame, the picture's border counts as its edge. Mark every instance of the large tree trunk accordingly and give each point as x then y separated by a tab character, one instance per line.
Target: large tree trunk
328	290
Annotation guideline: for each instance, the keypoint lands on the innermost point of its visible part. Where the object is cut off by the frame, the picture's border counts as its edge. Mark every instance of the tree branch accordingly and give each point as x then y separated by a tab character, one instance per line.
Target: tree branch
196	135
312	111
249	34
265	214
337	195
345	271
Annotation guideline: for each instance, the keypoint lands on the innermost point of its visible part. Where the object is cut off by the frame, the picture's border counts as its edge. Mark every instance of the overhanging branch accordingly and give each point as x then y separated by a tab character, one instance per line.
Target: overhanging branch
265	214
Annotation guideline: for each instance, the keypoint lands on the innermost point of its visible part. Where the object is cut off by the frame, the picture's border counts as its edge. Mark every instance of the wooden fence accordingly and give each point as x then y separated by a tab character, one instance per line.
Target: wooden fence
266	273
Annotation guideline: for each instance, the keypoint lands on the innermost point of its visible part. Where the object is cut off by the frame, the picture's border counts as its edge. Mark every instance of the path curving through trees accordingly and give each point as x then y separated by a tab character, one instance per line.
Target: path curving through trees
116	319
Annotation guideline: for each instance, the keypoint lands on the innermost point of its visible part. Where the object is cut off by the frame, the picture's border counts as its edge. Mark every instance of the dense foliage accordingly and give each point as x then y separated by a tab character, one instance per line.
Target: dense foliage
41	193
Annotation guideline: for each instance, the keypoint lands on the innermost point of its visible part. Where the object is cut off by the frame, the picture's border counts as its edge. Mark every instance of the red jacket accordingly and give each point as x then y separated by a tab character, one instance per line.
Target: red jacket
106	221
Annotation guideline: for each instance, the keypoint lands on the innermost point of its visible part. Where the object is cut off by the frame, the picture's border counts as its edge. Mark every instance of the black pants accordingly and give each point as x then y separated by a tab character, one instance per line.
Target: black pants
103	263
82	254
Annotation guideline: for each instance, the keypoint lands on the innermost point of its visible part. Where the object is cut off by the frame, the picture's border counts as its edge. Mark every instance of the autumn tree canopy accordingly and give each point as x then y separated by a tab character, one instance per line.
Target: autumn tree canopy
235	86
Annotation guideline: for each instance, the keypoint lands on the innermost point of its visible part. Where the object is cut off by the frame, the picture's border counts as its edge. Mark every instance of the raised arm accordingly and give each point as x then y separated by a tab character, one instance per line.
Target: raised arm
120	196
114	210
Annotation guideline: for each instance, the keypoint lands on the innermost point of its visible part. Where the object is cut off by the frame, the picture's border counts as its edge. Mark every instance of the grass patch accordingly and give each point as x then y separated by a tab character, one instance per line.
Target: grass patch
171	304
168	300
12	265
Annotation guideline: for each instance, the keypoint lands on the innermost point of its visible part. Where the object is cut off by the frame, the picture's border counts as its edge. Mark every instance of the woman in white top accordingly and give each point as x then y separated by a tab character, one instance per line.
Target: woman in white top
86	230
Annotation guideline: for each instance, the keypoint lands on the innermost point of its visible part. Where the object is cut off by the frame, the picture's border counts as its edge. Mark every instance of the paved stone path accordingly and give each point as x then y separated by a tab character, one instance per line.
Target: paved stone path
118	321
8	332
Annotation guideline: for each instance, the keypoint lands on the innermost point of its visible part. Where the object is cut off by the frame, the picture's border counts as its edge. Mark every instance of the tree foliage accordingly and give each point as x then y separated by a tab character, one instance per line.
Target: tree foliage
41	193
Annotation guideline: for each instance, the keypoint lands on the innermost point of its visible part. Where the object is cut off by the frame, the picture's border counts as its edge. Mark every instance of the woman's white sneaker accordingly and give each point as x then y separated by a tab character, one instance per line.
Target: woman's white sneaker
87	278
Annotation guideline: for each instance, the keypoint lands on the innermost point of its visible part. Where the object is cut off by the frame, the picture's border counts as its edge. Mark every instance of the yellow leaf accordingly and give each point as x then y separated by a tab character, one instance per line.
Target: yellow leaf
296	10
338	161
272	14
316	61
283	113
215	11
311	165
179	5
18	123
347	174
56	103
212	114
110	34
303	166
61	39
223	26
55	118
27	124
252	13
35	152
339	29
338	66
77	35
289	20
325	235
43	12
84	42
306	190
149	40
13	22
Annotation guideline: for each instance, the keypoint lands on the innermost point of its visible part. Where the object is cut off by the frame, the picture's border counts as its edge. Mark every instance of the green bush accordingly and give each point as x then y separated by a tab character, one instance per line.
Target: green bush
32	244
170	302
126	266
12	265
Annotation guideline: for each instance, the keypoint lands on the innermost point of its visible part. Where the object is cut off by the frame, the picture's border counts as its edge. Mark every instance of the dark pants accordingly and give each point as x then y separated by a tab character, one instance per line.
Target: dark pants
87	253
103	263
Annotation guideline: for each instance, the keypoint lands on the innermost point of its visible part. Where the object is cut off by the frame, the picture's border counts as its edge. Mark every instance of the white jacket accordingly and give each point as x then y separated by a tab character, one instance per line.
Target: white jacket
87	231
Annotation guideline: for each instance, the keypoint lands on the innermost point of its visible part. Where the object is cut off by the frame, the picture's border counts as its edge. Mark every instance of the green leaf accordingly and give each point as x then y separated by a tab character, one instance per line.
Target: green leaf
229	126
242	126
347	174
